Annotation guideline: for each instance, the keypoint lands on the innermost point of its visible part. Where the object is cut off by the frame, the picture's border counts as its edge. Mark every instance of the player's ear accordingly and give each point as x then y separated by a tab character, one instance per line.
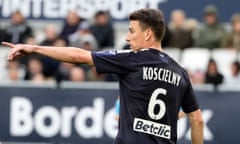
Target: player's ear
147	34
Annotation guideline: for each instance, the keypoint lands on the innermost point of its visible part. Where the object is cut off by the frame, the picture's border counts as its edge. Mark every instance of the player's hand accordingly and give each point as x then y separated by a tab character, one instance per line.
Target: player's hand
18	50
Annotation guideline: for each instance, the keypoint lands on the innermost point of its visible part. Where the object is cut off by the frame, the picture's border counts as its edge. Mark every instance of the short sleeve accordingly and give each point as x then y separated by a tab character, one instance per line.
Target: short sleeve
112	62
189	103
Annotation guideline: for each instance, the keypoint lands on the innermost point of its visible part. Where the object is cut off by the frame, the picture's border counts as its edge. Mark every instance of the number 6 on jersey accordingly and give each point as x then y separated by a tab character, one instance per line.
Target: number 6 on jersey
154	102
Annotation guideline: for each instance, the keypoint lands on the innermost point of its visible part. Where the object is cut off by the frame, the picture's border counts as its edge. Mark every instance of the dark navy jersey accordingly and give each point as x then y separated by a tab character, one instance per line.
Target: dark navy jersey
153	87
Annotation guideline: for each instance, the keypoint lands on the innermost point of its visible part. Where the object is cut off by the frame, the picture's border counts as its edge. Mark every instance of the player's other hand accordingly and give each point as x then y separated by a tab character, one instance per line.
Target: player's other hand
18	50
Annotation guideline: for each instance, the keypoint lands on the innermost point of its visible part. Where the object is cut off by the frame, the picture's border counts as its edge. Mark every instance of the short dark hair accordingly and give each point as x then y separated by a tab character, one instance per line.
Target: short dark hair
150	18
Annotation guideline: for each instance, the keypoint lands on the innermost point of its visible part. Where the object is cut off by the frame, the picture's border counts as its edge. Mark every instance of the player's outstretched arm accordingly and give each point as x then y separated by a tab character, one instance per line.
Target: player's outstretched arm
66	54
197	124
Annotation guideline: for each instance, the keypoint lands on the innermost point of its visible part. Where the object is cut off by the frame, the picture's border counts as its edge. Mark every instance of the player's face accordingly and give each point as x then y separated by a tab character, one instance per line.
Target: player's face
135	36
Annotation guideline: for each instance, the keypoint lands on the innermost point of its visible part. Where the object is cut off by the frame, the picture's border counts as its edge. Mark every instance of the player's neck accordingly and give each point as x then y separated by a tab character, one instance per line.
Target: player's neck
154	45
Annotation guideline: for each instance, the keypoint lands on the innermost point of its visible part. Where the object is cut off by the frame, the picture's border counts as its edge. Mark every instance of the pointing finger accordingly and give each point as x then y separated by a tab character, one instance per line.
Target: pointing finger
11	45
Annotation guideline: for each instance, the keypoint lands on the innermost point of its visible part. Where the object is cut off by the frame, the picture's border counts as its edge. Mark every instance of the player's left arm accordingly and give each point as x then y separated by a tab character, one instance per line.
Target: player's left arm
197	124
66	54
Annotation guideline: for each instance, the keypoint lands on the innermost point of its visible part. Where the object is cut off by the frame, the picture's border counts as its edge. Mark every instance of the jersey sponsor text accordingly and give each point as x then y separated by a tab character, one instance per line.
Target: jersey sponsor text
153	128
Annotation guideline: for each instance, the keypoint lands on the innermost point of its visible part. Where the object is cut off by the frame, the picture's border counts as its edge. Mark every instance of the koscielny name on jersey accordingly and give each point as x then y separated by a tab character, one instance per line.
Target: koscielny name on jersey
161	74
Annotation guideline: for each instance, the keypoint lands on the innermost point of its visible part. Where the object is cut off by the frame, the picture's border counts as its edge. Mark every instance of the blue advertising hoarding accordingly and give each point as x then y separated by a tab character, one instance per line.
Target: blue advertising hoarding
87	115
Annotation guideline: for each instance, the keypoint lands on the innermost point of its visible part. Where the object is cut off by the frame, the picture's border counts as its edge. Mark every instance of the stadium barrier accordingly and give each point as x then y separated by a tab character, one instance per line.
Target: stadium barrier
84	113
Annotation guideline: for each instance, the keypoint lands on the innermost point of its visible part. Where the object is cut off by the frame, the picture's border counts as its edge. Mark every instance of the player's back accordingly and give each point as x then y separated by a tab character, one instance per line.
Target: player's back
151	94
152	89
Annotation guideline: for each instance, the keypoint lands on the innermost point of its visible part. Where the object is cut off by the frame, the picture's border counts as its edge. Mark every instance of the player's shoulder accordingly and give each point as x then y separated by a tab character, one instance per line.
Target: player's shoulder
176	65
120	51
130	51
111	52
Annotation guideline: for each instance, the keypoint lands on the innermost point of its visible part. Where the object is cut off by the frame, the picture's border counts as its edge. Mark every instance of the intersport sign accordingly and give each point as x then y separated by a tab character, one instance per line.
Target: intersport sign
49	9
118	9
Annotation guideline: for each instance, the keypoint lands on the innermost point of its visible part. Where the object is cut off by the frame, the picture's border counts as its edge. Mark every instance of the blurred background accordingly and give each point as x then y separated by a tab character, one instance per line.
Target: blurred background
44	100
